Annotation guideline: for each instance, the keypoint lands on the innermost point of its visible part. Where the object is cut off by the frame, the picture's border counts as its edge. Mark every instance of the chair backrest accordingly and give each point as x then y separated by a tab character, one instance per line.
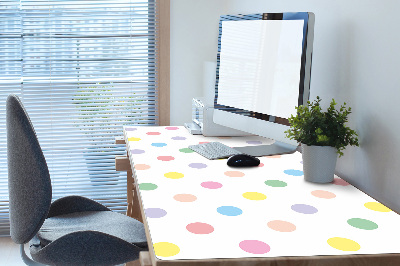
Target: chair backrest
29	183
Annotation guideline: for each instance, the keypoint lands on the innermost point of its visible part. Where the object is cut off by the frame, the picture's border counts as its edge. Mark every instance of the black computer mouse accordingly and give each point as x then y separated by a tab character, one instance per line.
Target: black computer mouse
242	160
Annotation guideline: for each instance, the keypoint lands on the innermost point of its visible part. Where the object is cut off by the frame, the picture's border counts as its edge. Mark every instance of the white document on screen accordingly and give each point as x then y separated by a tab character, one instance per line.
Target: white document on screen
260	63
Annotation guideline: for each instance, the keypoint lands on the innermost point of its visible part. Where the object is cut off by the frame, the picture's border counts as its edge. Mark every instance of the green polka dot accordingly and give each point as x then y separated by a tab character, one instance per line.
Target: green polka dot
275	183
147	186
362	224
186	150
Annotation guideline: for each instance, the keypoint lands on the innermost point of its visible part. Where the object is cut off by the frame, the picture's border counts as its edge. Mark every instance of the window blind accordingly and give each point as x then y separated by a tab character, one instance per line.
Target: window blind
83	69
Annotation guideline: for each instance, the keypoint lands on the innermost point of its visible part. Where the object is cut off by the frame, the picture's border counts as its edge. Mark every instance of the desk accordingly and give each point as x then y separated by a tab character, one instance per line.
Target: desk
202	212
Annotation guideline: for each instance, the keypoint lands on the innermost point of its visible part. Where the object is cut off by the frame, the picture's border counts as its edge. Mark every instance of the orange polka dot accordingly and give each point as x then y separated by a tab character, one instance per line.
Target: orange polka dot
281	226
234	173
185	197
323	194
142	166
274	156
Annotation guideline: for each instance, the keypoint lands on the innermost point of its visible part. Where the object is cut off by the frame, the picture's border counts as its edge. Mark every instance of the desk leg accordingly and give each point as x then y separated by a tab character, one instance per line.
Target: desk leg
132	198
129	192
144	260
133	263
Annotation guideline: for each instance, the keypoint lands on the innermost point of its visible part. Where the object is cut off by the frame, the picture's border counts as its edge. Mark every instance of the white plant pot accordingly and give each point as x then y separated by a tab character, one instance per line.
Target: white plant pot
319	163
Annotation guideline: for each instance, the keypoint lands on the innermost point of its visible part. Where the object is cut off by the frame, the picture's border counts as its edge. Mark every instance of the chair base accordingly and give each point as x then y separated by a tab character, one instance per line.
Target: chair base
26	259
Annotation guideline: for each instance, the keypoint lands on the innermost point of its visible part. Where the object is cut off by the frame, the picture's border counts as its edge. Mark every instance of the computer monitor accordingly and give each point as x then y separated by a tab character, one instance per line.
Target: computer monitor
263	73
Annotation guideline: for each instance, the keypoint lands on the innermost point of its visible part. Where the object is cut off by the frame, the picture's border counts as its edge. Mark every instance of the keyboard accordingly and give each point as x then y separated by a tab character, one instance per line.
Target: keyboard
214	150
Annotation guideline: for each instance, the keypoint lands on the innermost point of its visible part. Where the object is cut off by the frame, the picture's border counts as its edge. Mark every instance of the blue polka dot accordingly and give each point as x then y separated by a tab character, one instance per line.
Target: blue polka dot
293	172
159	144
229	211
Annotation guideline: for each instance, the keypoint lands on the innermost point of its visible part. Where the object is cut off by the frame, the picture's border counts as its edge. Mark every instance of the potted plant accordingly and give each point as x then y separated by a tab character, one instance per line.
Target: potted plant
323	135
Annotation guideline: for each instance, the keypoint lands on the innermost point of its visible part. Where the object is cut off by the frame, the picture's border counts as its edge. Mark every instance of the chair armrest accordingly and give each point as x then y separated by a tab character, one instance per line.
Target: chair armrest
72	204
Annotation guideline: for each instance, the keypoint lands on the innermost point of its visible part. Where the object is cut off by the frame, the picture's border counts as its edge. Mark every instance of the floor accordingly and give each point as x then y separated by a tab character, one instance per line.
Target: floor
9	253
10	256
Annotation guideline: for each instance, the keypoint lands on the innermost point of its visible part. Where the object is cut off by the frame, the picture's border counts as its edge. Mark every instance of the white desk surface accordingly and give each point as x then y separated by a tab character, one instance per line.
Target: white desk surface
201	209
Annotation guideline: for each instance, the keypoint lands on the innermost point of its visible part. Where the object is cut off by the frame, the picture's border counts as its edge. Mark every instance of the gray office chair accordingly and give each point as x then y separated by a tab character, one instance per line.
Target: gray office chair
70	231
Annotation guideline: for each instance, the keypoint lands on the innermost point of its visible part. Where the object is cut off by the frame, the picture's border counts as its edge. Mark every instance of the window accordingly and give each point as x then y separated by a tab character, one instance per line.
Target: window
83	69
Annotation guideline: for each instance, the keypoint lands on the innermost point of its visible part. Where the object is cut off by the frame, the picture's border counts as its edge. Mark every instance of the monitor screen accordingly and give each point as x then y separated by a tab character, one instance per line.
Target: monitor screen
263	71
260	63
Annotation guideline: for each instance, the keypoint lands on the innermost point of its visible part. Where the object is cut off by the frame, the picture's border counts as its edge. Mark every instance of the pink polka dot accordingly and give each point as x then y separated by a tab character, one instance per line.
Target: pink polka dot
339	182
261	165
254	246
153	133
142	166
234	173
165	158
172	128
203	142
200	228
211	185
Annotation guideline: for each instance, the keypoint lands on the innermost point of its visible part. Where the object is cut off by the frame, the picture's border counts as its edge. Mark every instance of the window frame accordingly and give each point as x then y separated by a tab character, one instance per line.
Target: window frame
163	88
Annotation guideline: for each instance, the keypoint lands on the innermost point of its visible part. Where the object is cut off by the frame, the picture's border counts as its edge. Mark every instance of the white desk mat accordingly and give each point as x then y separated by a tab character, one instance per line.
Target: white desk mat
199	209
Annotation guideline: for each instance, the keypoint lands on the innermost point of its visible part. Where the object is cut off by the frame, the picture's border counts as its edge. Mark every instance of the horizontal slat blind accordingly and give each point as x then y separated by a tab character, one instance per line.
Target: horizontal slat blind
83	69
10	82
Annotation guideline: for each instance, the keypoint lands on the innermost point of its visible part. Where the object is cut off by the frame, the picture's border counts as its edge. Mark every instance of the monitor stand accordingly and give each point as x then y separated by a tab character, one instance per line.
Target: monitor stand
276	148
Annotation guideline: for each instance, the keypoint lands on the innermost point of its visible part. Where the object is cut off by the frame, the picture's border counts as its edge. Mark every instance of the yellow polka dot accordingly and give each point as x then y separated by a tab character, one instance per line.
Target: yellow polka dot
165	249
343	244
173	175
133	139
254	196
376	206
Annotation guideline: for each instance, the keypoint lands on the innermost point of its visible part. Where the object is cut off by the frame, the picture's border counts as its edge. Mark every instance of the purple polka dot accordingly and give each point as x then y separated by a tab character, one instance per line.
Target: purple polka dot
254	142
197	165
304	208
155	212
137	151
130	129
211	185
178	138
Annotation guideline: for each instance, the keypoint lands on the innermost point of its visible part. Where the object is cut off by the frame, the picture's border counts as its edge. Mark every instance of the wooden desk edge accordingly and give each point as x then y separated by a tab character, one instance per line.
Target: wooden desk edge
146	227
342	260
151	253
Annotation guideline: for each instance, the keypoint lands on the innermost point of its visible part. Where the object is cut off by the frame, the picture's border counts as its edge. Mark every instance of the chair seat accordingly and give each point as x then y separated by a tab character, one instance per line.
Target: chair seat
107	222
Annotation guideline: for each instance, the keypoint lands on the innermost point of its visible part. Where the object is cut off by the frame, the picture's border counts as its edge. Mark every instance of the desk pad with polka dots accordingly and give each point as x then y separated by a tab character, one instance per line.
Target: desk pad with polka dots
197	208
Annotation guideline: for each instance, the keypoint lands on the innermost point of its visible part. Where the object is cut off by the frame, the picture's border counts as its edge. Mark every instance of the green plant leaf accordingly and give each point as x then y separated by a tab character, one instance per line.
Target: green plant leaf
312	126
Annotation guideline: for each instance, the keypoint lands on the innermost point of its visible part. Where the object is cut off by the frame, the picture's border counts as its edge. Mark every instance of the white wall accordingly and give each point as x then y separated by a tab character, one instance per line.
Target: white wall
356	59
194	41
